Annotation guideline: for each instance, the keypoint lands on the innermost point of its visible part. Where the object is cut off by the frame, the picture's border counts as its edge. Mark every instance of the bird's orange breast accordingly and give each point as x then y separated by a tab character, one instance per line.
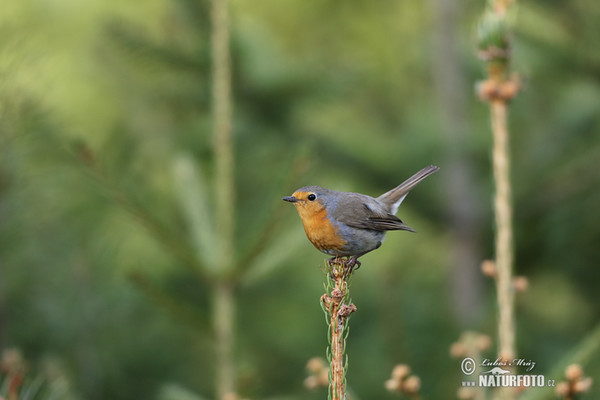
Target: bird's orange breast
319	229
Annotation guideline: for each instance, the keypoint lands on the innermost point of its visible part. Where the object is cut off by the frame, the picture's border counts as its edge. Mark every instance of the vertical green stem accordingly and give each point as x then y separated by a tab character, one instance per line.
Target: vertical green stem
224	313
224	305
222	135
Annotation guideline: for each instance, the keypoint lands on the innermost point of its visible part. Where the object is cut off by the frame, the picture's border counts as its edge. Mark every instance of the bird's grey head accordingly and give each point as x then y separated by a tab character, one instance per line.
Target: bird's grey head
309	194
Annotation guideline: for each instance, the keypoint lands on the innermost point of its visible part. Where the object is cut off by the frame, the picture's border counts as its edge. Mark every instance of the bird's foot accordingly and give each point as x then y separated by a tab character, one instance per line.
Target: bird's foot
355	263
352	264
346	267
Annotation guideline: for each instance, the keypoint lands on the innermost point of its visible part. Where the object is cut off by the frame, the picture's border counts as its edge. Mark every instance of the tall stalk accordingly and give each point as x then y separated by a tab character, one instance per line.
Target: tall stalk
223	320
337	307
499	88
223	301
504	233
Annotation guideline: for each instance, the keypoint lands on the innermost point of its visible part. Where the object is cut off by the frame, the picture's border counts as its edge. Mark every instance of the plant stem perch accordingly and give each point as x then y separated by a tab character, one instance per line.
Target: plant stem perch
338	308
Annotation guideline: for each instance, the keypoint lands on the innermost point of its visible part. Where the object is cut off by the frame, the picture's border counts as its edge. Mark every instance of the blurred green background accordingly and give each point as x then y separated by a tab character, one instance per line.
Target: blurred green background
105	130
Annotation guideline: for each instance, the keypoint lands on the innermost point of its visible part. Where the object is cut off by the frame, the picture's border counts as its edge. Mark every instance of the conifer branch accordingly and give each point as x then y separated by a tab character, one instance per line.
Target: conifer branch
337	306
499	88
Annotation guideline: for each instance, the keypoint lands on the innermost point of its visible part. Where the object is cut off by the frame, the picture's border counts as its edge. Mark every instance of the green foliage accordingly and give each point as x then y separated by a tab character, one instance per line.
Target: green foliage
106	199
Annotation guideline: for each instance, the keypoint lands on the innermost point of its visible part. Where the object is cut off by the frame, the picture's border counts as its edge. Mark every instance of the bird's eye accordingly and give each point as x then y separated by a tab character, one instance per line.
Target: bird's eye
312	197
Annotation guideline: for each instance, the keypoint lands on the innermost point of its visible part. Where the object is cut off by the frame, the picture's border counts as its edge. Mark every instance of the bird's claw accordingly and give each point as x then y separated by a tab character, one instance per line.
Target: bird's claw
349	265
352	264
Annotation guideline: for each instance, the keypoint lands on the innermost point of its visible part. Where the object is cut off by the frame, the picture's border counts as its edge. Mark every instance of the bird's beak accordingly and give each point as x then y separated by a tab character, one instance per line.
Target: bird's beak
291	199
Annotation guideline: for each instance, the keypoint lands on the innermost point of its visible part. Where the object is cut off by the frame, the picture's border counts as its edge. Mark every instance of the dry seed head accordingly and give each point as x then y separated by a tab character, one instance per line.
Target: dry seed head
326	300
562	389
411	385
315	364
583	385
520	283
457	349
392	385
230	396
486	90
311	382
501	6
323	377
509	89
465	393
346	309
488	267
574	372
400	371
484	342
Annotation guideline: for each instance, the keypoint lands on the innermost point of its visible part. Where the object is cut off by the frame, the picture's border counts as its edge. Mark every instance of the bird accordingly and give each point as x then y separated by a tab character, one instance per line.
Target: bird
346	224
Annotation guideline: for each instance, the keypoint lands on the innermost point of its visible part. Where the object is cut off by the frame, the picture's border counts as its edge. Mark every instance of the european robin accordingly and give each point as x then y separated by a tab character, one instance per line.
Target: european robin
344	224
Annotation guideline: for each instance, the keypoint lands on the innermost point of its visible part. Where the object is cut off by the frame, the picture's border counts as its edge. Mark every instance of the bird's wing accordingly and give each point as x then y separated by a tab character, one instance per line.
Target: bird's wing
364	212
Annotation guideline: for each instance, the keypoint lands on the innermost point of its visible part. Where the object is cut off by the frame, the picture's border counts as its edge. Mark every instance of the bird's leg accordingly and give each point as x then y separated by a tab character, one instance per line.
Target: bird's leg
355	263
344	267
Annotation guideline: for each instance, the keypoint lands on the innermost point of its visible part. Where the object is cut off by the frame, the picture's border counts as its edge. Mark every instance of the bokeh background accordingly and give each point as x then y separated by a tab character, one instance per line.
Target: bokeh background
106	147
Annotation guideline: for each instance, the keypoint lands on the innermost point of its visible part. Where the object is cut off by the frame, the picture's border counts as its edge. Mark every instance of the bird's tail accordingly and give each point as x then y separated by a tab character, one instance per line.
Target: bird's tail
394	197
